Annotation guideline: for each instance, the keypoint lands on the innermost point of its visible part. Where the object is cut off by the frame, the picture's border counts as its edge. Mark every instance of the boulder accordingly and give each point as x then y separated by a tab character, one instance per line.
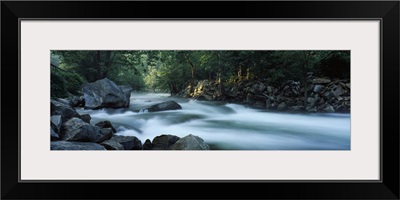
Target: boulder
168	105
55	122
164	142
127	90
64	145
86	118
106	124
112	145
66	111
53	135
77	130
147	145
104	93
190	142
76	101
129	142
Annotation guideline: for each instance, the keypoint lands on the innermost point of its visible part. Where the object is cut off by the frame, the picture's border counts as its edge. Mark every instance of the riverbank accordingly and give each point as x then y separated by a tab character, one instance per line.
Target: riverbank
323	94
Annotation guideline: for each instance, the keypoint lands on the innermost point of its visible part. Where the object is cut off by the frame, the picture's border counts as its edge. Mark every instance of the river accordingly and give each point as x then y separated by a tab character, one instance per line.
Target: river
228	126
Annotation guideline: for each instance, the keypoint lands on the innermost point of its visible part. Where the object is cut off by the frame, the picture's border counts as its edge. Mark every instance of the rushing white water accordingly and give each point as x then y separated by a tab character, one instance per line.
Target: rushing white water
229	126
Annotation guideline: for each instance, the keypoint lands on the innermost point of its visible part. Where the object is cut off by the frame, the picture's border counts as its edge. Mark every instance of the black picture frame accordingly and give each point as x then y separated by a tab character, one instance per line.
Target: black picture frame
386	11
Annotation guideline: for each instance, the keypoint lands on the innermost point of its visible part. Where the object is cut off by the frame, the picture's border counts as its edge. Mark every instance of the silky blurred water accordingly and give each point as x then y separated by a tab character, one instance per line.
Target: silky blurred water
229	126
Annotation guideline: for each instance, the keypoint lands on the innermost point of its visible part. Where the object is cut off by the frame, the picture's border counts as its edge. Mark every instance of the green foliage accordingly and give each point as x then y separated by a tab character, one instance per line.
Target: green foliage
57	86
175	70
64	83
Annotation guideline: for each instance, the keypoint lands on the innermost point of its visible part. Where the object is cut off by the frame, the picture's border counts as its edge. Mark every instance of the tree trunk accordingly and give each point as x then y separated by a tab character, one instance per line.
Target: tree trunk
193	70
239	73
97	64
107	64
248	72
305	66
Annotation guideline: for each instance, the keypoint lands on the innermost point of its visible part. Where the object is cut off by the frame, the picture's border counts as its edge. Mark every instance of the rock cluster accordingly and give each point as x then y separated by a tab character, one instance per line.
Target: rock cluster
71	131
323	94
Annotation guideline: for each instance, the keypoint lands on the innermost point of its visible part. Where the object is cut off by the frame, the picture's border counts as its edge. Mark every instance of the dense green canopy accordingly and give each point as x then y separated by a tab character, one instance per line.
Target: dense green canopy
173	70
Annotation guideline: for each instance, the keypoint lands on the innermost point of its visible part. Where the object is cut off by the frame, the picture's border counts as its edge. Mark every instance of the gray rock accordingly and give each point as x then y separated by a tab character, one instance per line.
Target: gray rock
312	100
112	145
106	124
53	135
270	89
318	88
338	90
282	106
64	145
127	90
328	95
164	142
77	130
104	93
190	142
76	101
147	145
66	111
129	142
86	118
168	105
55	122
328	108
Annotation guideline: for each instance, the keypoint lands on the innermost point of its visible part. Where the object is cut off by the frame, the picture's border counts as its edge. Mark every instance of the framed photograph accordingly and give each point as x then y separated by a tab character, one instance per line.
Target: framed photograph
299	96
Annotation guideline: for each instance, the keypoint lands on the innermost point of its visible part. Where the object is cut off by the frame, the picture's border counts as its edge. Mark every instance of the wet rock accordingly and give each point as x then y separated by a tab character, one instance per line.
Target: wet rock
147	145
164	142
129	142
168	105
86	118
76	101
106	124
77	130
112	145
55	122
66	111
190	142
53	135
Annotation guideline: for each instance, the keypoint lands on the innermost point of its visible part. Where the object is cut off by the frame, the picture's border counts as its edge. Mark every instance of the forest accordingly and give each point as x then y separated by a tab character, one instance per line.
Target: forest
174	70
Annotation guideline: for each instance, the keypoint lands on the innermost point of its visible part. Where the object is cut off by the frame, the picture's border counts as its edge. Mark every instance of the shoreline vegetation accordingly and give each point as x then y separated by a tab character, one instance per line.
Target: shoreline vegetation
277	81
